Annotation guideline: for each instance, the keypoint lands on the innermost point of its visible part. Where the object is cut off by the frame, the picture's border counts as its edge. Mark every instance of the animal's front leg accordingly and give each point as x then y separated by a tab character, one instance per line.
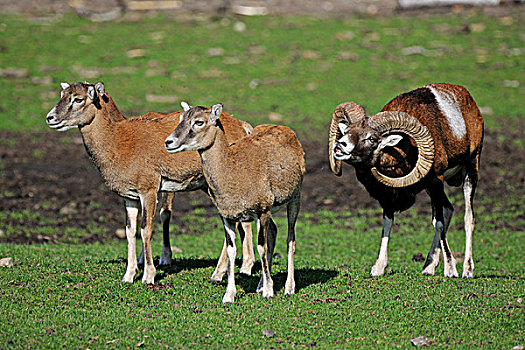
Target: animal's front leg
231	290
149	202
132	211
443	210
382	261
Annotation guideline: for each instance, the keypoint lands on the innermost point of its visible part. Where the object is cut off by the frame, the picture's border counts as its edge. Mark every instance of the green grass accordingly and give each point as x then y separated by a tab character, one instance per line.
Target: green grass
71	294
297	62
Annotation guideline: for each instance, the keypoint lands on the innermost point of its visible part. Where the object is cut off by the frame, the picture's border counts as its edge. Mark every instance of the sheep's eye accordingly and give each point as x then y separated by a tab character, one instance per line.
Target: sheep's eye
199	123
78	100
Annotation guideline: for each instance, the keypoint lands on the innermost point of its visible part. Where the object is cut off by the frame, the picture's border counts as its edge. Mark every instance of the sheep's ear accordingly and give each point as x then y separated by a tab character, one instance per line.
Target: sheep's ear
216	111
342	127
64	85
91	92
389	141
100	88
185	106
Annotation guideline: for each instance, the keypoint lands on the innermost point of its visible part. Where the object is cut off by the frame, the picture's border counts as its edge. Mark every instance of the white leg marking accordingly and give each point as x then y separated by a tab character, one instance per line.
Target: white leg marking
289	287
248	258
431	269
222	265
145	232
468	263
267	287
449	262
231	290
382	261
132	211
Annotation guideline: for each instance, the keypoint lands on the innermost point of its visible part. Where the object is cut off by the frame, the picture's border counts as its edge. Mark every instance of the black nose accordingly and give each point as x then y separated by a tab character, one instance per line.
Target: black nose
50	117
342	144
168	142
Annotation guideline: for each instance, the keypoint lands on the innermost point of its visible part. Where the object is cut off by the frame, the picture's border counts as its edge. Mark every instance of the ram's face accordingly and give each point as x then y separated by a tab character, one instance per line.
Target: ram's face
356	145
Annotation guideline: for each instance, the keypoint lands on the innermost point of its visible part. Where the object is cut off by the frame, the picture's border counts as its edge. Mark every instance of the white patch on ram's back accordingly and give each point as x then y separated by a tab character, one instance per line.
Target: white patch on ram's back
449	106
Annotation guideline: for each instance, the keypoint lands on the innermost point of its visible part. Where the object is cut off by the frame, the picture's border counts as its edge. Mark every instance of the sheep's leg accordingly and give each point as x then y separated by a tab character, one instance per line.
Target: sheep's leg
245	231
272	237
262	248
382	261
248	258
231	290
469	188
149	202
222	264
132	212
433	255
292	212
432	260
443	210
165	216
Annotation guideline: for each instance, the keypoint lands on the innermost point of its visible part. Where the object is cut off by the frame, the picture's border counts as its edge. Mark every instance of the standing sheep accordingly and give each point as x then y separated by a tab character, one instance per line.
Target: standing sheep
418	141
133	162
248	180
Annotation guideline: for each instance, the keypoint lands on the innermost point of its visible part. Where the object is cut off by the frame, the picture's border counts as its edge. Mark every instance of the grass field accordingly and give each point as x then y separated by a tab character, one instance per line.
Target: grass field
69	294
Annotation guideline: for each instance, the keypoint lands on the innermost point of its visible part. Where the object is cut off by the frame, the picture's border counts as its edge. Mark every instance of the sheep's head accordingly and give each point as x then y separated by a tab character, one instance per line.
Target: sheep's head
77	106
365	140
196	130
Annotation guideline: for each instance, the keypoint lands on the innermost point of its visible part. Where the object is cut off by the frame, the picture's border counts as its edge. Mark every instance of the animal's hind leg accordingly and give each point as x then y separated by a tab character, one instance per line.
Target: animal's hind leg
148	201
248	258
432	260
262	248
165	215
272	237
469	188
382	261
292	212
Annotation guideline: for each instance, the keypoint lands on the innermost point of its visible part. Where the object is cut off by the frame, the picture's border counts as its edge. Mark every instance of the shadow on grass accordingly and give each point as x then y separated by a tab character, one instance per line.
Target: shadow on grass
303	277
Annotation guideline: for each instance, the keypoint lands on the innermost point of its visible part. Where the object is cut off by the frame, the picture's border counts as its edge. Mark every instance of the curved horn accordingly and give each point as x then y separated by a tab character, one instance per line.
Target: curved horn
348	113
393	121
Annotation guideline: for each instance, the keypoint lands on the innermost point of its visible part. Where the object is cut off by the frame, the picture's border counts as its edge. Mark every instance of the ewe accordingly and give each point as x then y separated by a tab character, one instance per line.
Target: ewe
133	162
247	180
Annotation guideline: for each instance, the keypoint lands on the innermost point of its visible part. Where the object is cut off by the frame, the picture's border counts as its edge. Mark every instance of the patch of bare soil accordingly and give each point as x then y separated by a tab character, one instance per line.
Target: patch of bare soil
50	175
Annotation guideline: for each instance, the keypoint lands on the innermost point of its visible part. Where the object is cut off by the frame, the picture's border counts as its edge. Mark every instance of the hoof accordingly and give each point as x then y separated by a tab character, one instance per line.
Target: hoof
289	288
165	257
229	297
450	269
468	269
268	293
377	271
246	270
429	270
